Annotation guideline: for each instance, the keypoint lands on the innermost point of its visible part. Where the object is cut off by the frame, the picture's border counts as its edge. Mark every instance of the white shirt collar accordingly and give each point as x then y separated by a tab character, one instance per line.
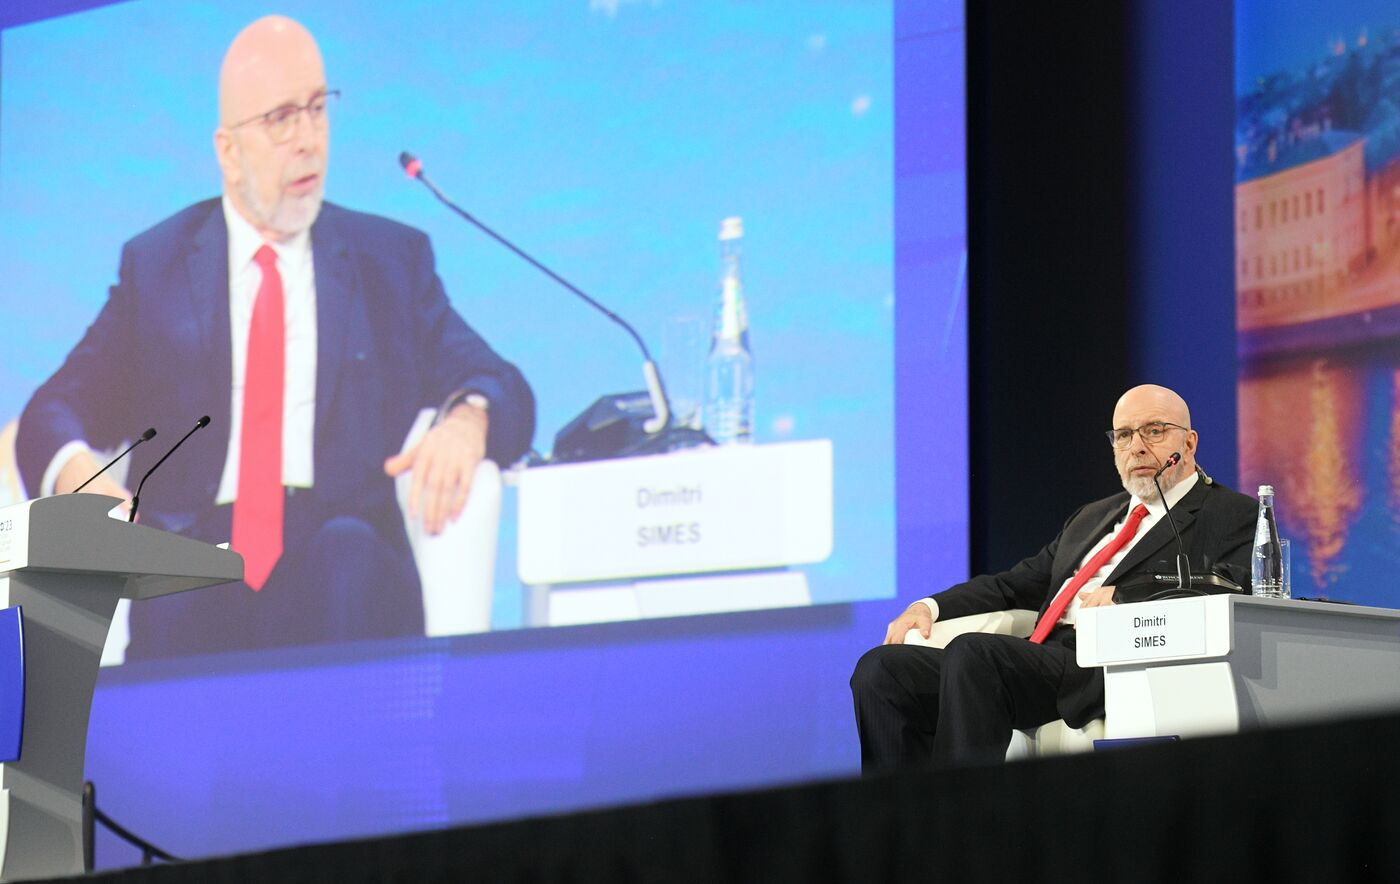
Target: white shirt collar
1174	496
244	240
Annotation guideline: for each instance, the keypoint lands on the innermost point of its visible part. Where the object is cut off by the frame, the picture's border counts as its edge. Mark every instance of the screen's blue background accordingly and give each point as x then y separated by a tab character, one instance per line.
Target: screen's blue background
610	144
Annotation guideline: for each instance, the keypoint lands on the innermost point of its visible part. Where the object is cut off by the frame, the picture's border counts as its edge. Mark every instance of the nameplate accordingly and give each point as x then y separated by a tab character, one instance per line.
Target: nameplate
1149	631
701	510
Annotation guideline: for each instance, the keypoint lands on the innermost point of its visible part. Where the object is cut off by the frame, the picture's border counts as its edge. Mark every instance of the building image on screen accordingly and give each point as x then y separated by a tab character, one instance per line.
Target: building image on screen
731	199
1317	204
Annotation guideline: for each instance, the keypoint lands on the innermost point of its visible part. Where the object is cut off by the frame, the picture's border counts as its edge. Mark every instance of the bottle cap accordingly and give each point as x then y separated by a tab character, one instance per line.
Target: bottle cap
1266	489
731	228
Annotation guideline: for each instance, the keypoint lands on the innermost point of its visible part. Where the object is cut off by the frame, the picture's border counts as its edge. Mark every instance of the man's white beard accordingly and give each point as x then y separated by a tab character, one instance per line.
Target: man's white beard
289	215
1142	487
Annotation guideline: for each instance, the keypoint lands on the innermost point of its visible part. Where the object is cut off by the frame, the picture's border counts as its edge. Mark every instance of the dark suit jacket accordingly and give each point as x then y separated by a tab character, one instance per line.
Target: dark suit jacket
159	354
1217	527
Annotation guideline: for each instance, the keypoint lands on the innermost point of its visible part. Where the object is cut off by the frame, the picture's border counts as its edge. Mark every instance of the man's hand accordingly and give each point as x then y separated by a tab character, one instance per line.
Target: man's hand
1096	598
443	463
916	616
77	470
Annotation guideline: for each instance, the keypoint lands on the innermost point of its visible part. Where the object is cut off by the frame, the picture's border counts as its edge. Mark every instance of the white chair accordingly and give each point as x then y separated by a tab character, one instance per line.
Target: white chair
1052	738
457	568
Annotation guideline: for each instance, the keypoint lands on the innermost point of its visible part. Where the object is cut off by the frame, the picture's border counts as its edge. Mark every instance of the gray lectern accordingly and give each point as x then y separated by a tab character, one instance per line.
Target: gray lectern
65	563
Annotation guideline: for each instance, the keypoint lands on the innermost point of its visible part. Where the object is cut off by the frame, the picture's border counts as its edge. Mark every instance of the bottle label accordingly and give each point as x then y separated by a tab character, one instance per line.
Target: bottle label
733	318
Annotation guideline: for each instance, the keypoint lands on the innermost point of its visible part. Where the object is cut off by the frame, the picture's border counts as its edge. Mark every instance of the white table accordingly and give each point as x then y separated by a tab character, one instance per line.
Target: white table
1225	663
702	530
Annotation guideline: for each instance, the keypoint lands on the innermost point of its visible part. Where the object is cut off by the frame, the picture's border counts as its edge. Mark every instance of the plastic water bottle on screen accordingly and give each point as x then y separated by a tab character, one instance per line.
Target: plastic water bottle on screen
1267	576
729	382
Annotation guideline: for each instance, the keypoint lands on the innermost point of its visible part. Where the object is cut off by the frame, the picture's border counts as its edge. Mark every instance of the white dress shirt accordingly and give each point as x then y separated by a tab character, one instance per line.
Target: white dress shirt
1155	513
295	266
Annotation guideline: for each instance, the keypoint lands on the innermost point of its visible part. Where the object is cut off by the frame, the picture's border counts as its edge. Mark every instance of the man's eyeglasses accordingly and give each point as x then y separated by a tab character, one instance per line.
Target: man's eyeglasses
281	122
1152	433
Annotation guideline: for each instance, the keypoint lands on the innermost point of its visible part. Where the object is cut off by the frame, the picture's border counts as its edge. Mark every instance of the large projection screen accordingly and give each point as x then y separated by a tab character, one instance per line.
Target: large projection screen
611	140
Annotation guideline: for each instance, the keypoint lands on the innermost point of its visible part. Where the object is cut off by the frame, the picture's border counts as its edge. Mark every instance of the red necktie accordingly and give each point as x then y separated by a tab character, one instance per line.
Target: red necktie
257	512
1076	583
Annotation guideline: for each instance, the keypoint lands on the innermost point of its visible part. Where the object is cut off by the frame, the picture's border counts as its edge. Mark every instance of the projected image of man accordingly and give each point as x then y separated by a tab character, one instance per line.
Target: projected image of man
918	705
313	335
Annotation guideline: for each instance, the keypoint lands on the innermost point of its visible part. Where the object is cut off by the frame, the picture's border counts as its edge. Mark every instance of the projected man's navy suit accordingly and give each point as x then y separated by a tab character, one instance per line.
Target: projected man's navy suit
159	353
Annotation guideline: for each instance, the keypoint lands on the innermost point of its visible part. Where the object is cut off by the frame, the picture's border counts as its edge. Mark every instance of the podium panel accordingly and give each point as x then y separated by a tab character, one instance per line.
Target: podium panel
11	684
64	563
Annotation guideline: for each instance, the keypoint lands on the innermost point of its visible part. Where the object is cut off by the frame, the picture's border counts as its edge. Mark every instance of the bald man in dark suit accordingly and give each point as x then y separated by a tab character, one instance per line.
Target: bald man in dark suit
917	706
314	336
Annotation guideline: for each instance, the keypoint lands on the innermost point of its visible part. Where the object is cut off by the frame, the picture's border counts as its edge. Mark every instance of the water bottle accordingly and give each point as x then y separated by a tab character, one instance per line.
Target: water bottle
729	382
1267	574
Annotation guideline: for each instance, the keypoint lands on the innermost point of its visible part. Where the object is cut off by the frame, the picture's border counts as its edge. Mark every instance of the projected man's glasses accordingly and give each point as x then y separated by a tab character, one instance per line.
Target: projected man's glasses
280	122
1152	433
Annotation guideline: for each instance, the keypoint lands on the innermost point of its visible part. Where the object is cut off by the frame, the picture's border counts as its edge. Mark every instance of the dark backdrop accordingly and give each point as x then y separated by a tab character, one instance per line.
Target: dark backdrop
1100	199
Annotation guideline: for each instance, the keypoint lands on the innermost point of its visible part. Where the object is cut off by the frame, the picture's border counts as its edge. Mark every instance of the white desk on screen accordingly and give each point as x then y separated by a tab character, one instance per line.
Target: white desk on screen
703	530
1225	663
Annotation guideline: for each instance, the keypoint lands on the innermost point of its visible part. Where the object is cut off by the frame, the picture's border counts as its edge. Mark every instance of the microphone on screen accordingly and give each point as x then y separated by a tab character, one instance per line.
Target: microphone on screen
658	427
145	437
136	498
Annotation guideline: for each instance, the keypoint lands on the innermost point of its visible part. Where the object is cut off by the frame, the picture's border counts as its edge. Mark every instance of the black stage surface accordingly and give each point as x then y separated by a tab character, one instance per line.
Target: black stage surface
1320	803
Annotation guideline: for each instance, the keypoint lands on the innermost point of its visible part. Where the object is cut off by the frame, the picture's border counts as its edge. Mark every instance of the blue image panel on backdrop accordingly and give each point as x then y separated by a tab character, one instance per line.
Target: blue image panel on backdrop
1317	256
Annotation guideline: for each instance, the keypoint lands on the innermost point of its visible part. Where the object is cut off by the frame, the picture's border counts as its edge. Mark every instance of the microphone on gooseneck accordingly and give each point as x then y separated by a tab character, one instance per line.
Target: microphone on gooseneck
1172	460
661	406
136	498
1183	567
145	437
